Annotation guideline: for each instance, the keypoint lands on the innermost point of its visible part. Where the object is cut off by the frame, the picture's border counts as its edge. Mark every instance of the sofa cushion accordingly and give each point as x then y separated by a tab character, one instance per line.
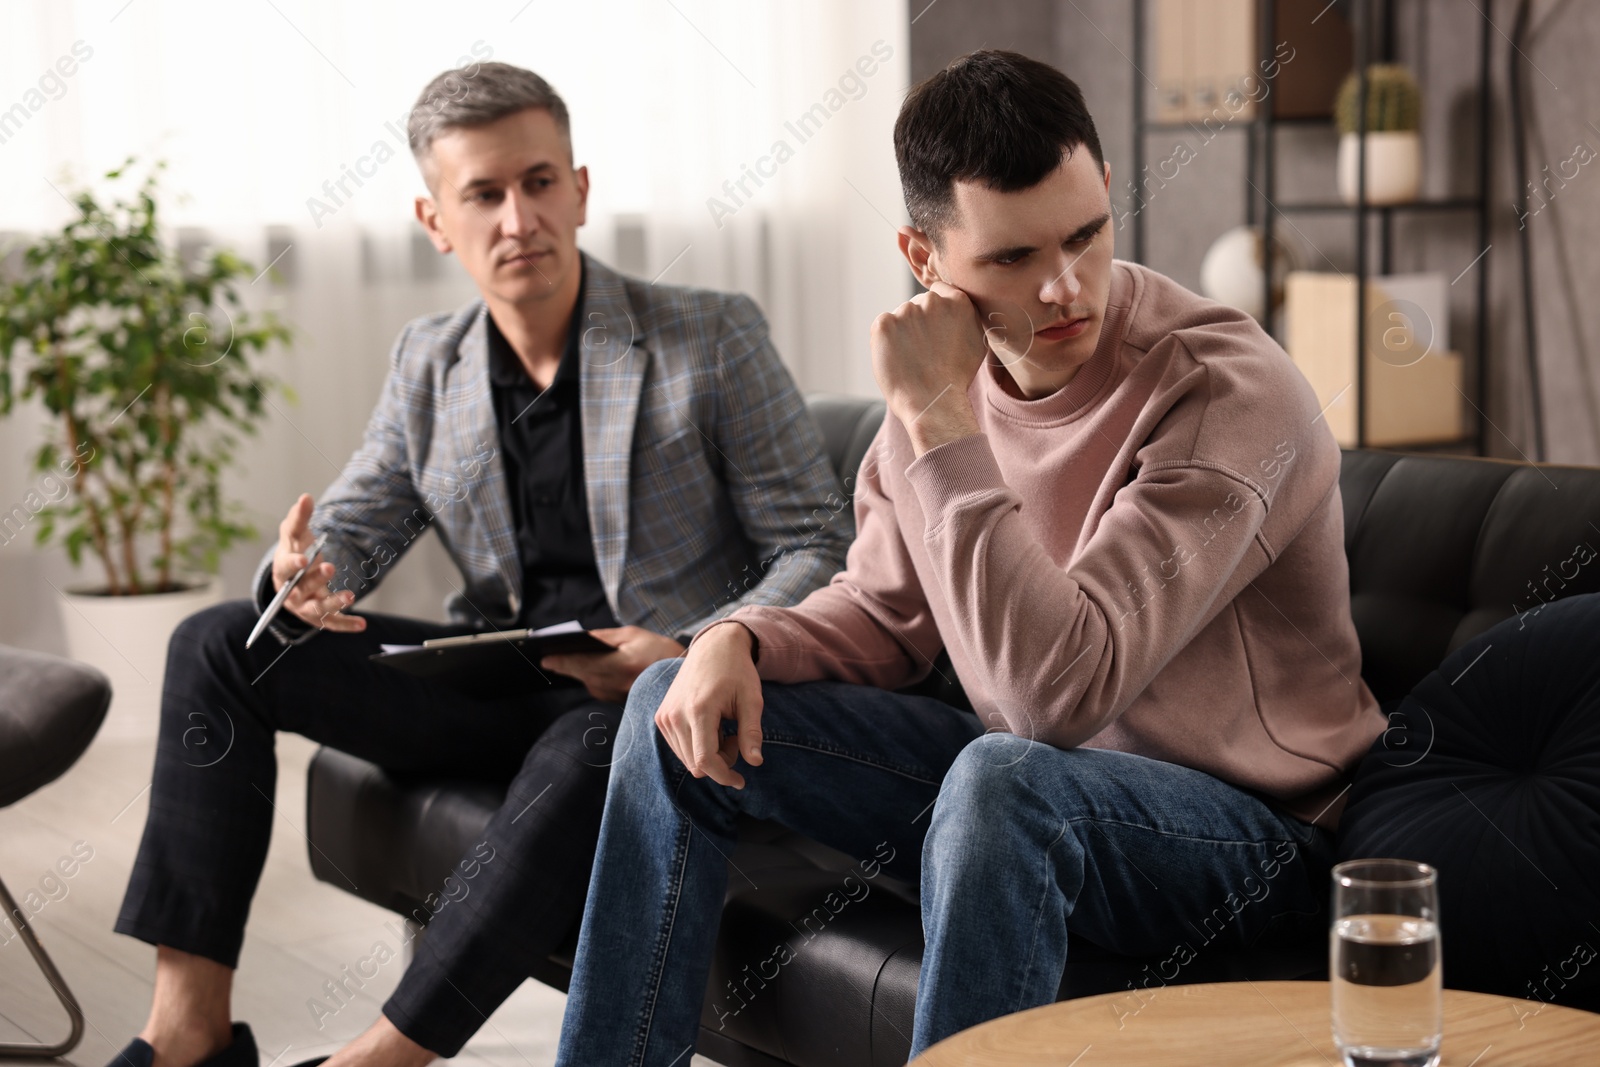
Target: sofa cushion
50	709
1490	771
1440	548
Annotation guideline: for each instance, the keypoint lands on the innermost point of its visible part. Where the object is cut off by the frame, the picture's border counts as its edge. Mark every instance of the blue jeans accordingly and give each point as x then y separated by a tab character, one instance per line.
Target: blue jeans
1025	843
1138	856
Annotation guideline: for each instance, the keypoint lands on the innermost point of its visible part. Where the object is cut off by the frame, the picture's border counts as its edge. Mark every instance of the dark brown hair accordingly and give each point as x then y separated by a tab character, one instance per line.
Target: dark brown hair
994	117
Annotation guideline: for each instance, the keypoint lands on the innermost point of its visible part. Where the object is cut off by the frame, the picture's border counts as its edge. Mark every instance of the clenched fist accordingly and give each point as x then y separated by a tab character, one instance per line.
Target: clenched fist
925	354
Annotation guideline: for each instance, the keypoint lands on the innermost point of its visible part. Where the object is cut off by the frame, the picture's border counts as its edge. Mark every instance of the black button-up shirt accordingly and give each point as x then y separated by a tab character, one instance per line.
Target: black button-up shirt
541	445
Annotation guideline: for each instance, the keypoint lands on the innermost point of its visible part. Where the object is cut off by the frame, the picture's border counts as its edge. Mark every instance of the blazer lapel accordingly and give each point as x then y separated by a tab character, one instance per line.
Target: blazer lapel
612	370
472	422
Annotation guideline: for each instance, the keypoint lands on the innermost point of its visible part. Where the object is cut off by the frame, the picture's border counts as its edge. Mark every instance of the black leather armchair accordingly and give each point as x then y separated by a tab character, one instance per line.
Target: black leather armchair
50	710
1440	549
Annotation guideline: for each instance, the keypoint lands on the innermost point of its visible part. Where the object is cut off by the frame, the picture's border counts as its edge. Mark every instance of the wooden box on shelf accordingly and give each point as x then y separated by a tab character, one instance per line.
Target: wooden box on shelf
1413	387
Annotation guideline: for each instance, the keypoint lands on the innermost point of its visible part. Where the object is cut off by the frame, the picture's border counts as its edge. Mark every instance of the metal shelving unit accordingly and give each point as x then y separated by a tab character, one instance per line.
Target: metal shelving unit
1368	18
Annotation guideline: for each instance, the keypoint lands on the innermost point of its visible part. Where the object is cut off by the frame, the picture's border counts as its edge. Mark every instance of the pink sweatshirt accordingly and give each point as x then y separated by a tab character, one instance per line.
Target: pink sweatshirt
1150	559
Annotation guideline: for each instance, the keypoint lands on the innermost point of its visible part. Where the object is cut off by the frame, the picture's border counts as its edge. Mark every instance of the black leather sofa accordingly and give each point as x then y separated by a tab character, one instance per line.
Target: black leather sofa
1440	550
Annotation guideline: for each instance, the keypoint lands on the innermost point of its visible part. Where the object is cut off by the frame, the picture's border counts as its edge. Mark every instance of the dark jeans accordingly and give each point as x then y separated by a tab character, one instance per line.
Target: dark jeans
211	801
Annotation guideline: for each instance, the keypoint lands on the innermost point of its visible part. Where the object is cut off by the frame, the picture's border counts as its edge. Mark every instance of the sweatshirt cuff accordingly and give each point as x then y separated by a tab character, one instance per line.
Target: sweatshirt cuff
954	475
755	638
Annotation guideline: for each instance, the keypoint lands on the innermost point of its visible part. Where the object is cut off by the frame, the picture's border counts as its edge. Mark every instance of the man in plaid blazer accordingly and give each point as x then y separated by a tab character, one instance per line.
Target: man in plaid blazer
586	446
699	459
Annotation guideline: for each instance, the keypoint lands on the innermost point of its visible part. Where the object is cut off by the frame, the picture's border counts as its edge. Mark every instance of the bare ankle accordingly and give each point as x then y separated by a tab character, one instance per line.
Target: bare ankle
190	1012
382	1043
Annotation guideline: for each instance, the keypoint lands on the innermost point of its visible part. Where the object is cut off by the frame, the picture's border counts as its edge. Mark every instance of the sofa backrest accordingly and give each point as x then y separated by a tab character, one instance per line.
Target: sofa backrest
848	424
1443	547
1440	547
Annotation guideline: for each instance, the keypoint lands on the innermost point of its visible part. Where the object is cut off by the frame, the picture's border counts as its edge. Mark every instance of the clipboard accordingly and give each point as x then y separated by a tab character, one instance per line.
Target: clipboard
493	664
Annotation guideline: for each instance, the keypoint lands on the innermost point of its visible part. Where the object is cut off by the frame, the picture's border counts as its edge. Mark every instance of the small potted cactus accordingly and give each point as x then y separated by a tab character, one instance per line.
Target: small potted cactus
1394	155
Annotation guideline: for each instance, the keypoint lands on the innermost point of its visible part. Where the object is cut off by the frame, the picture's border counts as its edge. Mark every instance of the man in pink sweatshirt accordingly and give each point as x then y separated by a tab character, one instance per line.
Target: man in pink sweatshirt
1116	505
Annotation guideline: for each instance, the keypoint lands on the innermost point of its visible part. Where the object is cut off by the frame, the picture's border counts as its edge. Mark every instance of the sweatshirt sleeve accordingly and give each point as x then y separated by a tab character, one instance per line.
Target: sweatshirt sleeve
1064	649
870	624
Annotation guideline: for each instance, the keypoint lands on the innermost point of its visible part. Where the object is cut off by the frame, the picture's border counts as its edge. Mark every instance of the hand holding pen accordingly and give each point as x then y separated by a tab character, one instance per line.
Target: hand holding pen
310	600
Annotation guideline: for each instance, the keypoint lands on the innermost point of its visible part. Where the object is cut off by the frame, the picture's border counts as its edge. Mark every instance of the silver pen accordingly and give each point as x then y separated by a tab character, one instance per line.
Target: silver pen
283	594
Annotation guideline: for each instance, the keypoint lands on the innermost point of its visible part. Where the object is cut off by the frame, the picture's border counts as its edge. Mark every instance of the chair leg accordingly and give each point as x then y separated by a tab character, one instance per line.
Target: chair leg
51	975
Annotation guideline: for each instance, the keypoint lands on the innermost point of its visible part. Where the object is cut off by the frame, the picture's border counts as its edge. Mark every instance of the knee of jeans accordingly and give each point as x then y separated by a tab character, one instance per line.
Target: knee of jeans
983	786
637	738
650	688
978	816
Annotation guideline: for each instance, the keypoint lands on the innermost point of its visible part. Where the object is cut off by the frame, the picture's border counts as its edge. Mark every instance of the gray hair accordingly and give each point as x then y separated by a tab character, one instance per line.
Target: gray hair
476	95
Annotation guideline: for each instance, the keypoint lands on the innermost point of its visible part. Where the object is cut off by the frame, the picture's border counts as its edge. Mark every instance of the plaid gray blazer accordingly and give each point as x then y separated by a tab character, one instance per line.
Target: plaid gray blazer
707	482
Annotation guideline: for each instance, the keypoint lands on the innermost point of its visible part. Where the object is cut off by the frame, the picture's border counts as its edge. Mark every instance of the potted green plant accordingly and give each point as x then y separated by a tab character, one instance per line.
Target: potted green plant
1394	155
145	367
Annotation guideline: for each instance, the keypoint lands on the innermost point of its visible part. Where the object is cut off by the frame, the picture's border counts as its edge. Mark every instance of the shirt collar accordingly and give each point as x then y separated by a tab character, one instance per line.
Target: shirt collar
507	370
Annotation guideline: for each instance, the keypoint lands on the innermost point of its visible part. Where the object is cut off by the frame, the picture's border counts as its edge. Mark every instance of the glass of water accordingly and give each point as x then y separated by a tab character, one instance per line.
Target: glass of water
1388	1000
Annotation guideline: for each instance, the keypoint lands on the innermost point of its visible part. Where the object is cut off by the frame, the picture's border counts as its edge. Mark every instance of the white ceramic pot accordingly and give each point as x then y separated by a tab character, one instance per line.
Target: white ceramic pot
126	638
1394	166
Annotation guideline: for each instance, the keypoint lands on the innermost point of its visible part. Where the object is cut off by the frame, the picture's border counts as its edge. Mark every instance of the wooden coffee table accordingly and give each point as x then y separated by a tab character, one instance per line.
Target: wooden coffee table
1256	1024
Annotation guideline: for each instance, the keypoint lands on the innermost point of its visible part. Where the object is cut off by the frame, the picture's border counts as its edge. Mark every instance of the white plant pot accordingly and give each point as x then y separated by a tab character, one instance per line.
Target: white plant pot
126	638
1394	166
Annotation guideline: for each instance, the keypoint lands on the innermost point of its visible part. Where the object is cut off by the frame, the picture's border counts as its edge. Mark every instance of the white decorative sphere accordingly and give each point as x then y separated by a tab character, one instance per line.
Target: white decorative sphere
1231	270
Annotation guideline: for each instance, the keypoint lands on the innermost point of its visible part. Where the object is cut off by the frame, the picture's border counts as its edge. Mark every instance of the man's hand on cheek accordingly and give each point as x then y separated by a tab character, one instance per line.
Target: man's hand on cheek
924	355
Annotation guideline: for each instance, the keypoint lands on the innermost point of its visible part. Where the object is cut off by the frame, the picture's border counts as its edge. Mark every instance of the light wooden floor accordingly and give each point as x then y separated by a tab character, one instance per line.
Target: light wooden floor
301	933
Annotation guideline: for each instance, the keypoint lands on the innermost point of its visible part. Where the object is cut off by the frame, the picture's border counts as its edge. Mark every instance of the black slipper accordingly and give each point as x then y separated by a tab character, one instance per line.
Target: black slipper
139	1053
241	1053
312	1063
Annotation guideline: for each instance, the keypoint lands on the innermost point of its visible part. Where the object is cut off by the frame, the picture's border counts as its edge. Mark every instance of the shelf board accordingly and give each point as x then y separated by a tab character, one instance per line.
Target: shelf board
1451	204
1192	127
1163	126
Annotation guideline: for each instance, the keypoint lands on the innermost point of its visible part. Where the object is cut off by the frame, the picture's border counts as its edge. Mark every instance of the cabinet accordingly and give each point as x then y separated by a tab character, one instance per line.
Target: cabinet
1372	36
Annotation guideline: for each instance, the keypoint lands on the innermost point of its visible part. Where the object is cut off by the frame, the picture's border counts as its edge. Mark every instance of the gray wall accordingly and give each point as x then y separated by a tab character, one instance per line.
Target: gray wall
1092	41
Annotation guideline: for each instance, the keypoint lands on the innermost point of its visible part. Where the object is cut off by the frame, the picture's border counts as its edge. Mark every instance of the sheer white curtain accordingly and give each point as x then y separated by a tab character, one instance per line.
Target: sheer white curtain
730	144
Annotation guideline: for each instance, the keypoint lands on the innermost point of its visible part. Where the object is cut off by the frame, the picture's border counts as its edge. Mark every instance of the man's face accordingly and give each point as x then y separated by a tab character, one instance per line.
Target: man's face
508	202
1037	263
